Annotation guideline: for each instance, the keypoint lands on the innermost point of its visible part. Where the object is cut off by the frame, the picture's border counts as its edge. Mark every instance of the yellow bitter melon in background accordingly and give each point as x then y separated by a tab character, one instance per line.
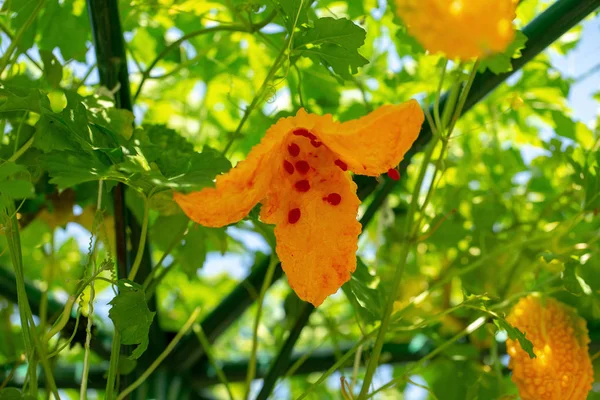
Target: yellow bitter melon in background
562	369
459	28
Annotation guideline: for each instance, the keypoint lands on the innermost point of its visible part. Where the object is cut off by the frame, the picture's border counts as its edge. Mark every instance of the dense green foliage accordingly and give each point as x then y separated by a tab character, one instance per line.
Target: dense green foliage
507	204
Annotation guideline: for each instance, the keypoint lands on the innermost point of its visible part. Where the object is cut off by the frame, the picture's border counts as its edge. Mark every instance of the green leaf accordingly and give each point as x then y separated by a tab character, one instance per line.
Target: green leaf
501	62
69	168
361	294
74	29
178	166
143	45
13	99
126	365
67	130
192	255
131	316
334	43
121	121
563	125
571	281
53	71
12	182
515	334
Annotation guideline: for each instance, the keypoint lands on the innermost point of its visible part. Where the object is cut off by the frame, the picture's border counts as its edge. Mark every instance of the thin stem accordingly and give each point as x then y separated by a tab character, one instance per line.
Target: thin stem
430	121
85	77
18	135
62	320
445	138
432	185
357	359
43	357
259	95
115	353
11	227
140	251
436	105
451	101
151	290
495	358
174	242
186	327
467	331
48	277
257	98
211	358
363	93
13	43
463	98
13	370
374	360
252	361
90	322
66	313
338	364
22	150
68	341
169	48
292	370
299	89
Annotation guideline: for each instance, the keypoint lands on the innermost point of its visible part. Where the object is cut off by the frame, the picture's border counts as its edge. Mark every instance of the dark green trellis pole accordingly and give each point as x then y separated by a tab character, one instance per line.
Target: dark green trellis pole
109	46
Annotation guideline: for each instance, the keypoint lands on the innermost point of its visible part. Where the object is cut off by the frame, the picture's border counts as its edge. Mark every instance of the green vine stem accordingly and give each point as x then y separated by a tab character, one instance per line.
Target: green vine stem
11	225
62	321
263	88
436	104
68	341
151	280
341	361
266	283
478	323
410	228
140	251
113	367
43	357
22	150
197	328
385	321
88	330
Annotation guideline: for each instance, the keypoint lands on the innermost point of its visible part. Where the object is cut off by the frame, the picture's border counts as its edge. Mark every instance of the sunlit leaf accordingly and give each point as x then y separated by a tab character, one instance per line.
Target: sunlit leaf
333	43
131	316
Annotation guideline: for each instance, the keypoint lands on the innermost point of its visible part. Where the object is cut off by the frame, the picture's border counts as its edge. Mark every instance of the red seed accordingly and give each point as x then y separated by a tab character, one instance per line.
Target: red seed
302	186
315	143
294	149
334	199
294	215
305	133
393	174
302	167
288	167
341	164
